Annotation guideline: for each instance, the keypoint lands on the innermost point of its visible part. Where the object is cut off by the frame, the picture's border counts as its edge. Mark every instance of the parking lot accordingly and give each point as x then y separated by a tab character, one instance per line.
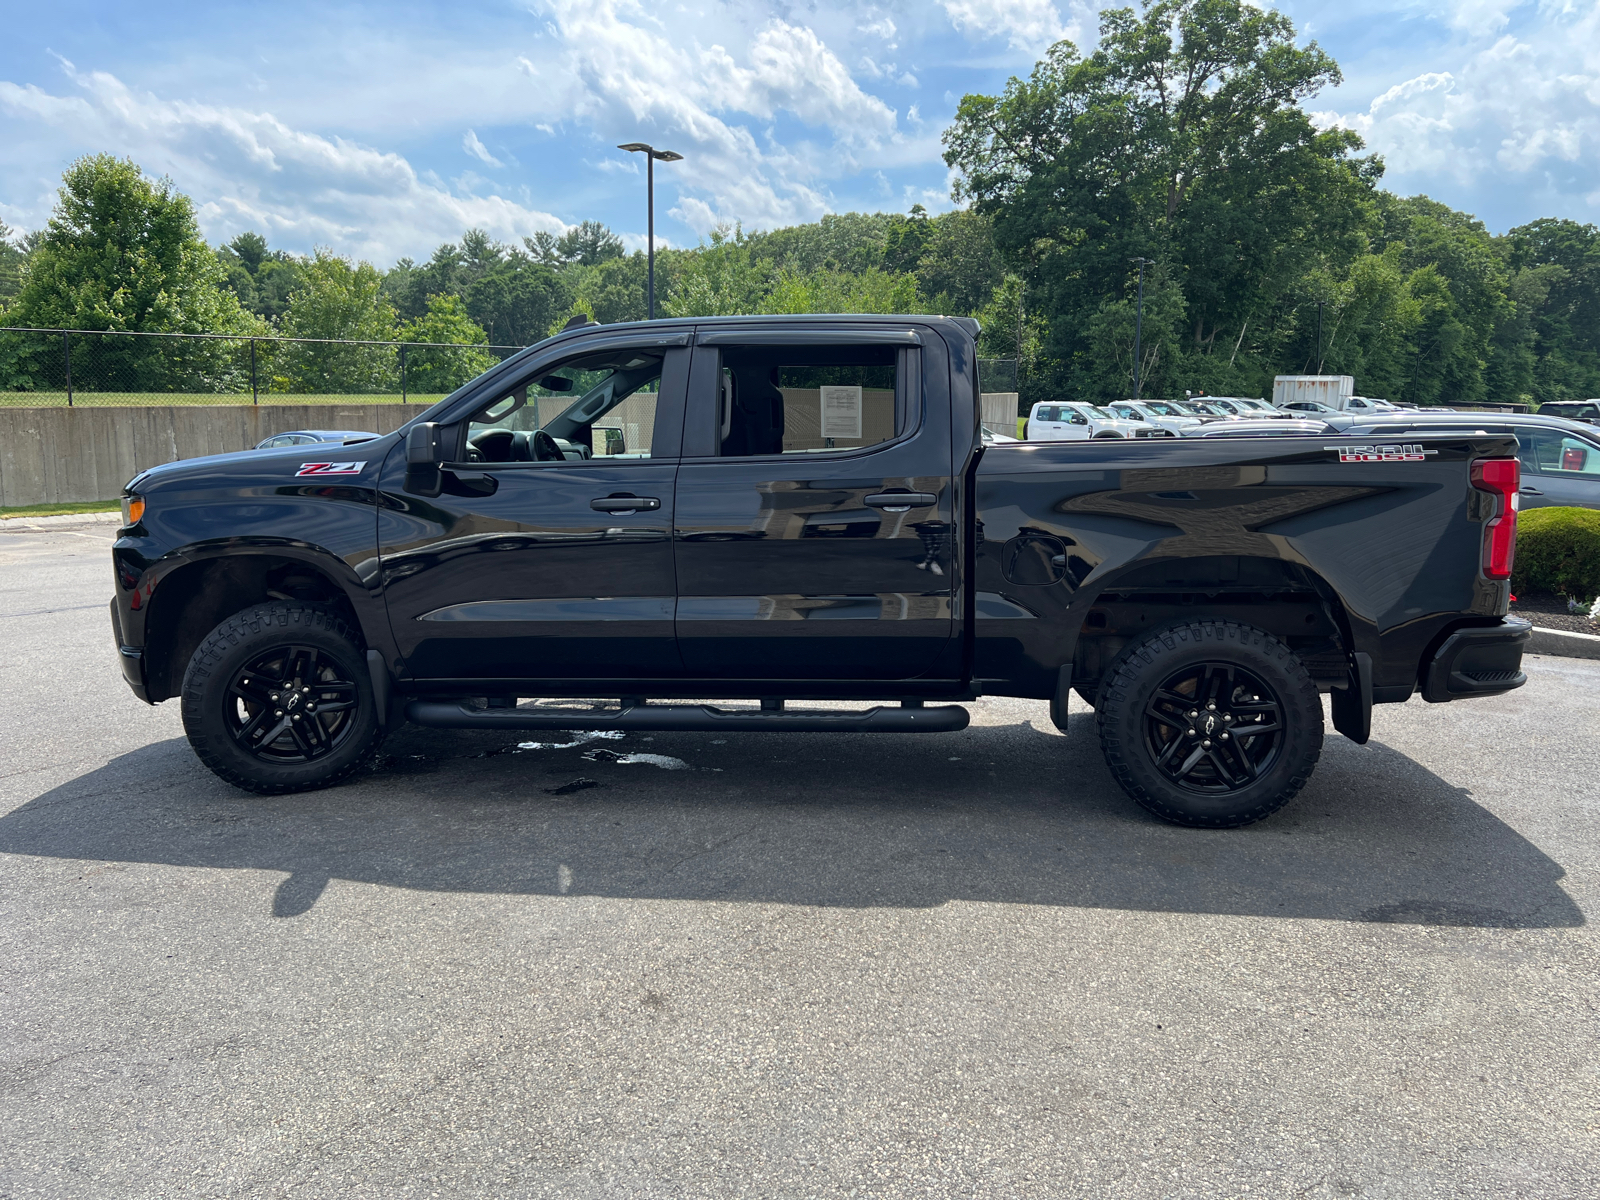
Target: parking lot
782	965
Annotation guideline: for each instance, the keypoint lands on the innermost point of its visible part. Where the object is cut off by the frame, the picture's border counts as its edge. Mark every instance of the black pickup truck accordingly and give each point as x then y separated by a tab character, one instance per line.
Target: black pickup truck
804	508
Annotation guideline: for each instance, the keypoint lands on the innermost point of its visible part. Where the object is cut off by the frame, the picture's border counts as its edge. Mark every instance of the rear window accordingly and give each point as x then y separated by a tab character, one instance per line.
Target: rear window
807	399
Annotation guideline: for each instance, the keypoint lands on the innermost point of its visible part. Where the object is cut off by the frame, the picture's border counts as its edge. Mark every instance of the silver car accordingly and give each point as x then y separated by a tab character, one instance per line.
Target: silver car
1560	458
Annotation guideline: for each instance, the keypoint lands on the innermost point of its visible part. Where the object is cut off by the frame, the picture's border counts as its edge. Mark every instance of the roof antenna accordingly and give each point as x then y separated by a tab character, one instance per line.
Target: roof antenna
577	322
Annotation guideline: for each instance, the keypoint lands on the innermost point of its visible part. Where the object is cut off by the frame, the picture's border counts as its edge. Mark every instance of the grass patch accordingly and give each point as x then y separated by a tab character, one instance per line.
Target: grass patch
58	510
192	399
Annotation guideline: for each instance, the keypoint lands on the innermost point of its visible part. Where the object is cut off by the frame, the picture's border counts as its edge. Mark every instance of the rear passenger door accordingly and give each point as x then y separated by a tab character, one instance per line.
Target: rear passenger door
813	529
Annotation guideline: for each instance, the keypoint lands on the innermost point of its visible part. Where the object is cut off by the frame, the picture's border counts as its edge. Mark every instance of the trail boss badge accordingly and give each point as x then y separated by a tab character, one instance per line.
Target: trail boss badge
341	468
1368	454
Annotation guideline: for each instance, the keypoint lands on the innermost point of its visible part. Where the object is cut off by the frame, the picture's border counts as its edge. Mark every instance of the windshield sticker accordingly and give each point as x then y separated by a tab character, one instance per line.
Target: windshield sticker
1365	454
339	468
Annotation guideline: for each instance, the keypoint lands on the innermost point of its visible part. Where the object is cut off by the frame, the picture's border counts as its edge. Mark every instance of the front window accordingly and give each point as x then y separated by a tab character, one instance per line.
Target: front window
601	405
1166	408
1128	414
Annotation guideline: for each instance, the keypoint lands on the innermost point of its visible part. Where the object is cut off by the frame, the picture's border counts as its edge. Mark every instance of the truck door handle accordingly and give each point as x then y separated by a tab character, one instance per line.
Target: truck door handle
900	501
621	502
1531	491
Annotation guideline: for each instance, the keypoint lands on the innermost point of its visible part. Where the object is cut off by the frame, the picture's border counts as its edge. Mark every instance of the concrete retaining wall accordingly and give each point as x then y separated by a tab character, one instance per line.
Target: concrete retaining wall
62	455
999	412
67	455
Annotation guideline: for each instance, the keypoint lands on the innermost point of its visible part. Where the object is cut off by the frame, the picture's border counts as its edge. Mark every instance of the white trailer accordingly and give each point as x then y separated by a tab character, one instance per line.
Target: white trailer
1330	390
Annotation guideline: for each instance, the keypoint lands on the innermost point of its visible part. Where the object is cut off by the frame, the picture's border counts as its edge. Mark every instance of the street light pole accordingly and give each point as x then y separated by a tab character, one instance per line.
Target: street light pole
1138	332
651	154
1320	303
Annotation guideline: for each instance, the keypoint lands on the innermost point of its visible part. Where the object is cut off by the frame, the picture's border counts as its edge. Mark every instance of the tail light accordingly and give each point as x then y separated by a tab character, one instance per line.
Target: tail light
1501	478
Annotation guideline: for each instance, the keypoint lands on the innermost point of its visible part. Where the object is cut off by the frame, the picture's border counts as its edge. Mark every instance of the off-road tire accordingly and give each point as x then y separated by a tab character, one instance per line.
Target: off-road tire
1130	732
247	637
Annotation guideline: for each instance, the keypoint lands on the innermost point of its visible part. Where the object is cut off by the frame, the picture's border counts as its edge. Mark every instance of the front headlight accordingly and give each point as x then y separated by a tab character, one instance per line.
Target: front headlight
132	509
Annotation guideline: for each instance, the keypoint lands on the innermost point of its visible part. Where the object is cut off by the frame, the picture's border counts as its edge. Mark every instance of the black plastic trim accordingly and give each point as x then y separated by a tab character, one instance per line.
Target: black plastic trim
1480	660
692	718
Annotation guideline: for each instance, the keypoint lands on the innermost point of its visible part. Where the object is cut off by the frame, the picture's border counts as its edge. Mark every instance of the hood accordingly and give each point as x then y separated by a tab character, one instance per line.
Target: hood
359	460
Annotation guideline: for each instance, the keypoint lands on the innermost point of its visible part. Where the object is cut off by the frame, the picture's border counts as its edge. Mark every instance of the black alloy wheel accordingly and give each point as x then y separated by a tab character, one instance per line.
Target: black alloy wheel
1213	727
279	699
291	705
1213	724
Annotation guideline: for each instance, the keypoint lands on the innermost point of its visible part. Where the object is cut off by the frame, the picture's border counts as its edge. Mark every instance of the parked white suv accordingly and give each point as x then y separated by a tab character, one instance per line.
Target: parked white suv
1156	418
1074	421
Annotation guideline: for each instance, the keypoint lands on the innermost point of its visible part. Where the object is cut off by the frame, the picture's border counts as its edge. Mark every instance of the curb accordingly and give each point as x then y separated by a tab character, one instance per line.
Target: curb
59	521
1560	642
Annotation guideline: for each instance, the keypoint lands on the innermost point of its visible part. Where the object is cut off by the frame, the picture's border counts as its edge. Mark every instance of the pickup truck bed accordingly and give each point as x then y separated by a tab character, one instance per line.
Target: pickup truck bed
802	508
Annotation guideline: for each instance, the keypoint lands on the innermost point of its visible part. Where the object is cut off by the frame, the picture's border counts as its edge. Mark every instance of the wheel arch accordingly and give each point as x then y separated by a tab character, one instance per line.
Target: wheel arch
1288	600
194	597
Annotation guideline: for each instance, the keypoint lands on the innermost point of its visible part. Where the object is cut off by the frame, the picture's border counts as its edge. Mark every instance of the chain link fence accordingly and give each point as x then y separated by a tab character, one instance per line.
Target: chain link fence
997	375
63	368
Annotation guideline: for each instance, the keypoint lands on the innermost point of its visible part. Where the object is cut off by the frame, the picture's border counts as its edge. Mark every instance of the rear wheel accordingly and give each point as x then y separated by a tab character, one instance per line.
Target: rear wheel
278	699
1211	724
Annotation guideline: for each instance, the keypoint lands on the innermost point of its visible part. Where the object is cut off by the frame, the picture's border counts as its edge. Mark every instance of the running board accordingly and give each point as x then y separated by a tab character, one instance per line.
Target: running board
692	718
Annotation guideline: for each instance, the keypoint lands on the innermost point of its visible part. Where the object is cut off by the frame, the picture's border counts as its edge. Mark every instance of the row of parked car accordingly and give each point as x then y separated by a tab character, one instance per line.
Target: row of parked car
1560	454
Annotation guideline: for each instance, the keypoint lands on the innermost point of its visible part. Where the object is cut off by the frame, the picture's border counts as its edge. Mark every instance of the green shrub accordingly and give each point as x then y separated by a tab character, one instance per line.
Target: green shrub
1558	550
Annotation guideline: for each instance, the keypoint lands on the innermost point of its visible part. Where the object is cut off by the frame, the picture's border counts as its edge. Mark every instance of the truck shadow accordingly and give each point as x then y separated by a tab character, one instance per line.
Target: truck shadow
1000	813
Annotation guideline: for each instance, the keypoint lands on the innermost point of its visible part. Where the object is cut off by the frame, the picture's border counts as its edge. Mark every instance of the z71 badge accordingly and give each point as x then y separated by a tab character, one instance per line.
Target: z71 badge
1365	454
342	468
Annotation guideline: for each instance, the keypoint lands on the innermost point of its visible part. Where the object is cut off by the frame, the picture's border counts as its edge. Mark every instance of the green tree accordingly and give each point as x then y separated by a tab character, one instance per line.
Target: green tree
588	244
12	256
260	277
1555	267
446	323
338	302
123	252
1180	139
960	267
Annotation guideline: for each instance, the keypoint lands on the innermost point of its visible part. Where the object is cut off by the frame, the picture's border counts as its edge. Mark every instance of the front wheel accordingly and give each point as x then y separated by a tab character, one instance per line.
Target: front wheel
278	699
1211	724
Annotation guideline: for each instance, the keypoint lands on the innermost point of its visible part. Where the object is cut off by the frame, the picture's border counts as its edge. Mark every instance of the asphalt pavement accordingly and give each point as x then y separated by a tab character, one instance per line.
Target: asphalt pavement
782	965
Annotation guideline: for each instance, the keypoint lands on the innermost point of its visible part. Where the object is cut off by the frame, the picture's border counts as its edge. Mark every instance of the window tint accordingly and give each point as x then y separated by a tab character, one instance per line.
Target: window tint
599	406
807	399
1559	454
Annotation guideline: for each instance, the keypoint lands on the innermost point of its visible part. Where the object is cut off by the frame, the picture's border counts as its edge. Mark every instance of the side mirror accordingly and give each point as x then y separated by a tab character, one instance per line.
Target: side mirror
422	445
423	455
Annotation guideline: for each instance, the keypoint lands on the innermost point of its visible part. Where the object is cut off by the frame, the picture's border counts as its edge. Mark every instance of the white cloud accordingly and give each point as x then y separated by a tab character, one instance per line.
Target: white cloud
249	170
477	149
1513	113
1026	24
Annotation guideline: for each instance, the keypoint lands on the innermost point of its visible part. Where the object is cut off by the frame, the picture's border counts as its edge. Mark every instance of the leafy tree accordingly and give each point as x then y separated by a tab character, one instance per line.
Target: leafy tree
438	372
338	301
260	277
1177	140
906	240
837	242
12	256
1555	267
588	244
123	252
960	266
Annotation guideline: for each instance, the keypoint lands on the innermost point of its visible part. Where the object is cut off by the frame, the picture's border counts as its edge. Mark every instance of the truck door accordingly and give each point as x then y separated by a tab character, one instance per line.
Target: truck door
813	523
548	552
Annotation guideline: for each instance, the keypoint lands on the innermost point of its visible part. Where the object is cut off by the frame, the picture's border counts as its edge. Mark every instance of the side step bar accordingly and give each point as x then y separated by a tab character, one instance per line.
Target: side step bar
692	718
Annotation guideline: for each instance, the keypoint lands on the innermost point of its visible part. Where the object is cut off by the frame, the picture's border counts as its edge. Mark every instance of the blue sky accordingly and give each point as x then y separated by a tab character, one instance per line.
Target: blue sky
383	130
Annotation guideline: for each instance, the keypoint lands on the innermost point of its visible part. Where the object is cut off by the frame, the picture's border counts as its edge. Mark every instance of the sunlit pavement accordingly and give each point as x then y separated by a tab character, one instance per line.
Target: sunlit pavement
782	965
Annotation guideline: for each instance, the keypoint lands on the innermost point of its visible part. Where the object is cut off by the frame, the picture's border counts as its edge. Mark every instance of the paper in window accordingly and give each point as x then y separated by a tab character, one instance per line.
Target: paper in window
841	411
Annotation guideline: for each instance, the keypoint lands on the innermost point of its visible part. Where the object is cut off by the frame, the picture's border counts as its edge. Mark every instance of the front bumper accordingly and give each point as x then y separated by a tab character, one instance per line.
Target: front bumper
1480	660
131	657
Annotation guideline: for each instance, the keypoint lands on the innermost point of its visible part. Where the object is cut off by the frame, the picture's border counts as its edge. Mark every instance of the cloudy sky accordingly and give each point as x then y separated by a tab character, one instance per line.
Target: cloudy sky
383	130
